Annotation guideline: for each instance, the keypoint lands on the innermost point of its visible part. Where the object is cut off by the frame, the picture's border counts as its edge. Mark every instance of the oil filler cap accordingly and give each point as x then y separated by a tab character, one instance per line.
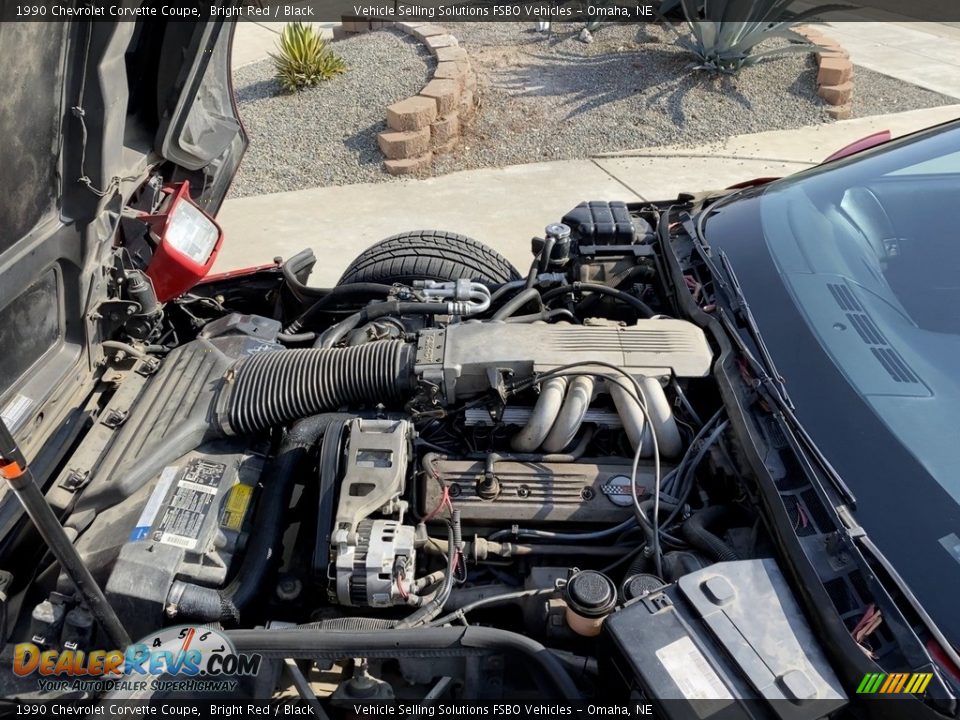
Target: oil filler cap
590	593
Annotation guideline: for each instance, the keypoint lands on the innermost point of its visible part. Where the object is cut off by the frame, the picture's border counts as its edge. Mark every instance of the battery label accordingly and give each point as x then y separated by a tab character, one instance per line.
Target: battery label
693	675
192	499
235	508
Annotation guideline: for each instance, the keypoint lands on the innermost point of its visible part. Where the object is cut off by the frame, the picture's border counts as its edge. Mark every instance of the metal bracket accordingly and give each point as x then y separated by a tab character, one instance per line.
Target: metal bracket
75	480
114	418
113	315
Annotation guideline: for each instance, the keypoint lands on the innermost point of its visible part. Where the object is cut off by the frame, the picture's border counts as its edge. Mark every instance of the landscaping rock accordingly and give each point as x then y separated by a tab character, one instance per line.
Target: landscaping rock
437	42
544	97
841	112
446	93
409	27
412	114
831	51
834	71
451	71
552	97
406	144
410	165
445	131
452	53
355	26
326	135
837	94
422	31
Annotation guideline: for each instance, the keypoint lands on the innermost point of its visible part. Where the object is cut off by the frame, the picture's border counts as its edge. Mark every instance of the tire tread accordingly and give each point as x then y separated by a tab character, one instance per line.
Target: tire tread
429	254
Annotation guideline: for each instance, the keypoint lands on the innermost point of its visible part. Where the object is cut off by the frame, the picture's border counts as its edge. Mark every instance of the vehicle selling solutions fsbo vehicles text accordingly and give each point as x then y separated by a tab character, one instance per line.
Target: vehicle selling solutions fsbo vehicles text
499	10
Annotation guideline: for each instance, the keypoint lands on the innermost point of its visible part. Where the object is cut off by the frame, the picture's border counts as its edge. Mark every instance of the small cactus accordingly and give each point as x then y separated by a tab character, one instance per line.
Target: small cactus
304	59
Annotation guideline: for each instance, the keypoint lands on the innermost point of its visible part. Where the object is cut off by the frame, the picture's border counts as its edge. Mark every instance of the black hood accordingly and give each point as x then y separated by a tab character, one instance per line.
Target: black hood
91	110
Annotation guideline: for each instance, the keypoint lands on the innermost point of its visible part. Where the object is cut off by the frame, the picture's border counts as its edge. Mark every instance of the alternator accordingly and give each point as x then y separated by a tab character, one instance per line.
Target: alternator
373	557
378	570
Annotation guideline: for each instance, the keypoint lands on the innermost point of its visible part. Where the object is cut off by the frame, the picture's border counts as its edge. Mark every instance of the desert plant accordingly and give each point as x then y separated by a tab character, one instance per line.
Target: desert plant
304	59
726	33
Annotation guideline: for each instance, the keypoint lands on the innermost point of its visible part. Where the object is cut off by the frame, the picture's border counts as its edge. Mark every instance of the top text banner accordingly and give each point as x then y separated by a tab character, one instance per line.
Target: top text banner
573	11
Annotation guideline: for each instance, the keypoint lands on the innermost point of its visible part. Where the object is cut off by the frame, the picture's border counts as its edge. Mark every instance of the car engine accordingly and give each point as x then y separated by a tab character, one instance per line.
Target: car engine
536	455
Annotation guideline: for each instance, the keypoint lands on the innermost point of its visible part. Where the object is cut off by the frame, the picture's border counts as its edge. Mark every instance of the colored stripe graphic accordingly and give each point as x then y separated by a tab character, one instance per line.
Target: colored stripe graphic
914	680
903	681
894	683
889	682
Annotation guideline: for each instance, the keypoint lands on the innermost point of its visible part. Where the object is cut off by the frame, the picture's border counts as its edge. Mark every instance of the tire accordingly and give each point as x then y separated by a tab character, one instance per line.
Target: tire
429	255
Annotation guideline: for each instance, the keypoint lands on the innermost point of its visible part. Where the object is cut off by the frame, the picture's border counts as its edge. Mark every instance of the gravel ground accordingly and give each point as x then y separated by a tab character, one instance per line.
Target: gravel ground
549	97
542	97
326	135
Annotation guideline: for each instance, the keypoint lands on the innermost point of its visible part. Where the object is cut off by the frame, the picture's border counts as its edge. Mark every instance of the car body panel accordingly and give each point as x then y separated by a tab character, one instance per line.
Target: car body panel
99	107
858	146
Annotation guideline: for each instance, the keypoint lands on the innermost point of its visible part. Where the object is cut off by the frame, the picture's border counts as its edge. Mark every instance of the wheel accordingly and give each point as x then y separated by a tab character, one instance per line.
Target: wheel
429	255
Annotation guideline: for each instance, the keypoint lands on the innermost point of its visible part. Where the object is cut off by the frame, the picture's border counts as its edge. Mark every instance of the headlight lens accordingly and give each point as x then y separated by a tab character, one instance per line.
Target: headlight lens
191	233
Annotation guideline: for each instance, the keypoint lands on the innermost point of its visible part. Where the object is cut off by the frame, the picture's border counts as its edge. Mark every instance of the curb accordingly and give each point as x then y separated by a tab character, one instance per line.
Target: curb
430	122
834	73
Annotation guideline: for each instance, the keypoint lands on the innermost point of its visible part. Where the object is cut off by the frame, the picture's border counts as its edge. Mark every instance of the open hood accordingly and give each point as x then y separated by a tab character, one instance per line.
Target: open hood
92	112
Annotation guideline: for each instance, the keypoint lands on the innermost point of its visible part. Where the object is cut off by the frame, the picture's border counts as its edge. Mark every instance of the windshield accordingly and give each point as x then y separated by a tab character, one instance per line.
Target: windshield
869	250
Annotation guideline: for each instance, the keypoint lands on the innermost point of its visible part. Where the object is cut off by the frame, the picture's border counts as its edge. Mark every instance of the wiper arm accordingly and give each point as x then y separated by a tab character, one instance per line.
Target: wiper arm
733	293
768	379
746	315
802	444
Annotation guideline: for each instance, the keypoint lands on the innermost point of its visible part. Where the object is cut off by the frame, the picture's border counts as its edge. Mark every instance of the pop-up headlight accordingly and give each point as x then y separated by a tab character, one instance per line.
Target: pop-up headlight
187	243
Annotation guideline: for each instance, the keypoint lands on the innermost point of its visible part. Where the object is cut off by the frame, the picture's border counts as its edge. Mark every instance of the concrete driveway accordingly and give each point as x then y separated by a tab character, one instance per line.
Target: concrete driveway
505	207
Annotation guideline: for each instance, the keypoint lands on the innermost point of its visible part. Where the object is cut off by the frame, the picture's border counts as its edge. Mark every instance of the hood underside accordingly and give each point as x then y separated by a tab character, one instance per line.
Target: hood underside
91	111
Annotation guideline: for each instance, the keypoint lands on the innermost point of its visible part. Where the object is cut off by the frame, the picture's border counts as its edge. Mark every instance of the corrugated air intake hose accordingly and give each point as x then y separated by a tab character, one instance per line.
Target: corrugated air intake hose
275	388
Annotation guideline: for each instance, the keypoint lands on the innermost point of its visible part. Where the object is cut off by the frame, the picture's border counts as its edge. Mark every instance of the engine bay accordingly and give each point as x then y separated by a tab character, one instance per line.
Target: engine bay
546	456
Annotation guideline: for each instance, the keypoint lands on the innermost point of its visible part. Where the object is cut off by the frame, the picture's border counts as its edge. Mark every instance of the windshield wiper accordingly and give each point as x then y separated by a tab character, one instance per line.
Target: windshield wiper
738	304
767	377
746	316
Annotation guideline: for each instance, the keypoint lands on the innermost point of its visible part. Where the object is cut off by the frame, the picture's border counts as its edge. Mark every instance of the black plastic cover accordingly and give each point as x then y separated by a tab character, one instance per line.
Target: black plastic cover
639	585
730	640
601	223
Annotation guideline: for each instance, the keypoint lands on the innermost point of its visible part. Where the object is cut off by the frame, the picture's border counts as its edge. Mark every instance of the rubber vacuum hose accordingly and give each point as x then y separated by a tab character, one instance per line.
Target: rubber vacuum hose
417	642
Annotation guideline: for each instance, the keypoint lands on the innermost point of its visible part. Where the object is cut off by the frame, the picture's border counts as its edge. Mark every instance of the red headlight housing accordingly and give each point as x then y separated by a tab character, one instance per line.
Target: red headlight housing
188	241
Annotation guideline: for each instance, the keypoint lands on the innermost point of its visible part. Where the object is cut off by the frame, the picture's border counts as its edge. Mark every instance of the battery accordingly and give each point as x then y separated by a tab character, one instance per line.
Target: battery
727	641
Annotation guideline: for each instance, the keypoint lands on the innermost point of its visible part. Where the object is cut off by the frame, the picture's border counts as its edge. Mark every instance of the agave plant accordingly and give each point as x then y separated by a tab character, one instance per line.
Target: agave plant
726	33
304	59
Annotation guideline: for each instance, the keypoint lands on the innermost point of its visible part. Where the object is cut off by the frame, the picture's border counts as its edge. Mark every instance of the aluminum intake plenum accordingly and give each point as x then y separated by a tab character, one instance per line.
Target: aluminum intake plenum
460	358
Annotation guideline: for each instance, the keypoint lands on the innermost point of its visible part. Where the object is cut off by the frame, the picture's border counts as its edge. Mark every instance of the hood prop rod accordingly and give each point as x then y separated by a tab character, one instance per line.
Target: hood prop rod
13	468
